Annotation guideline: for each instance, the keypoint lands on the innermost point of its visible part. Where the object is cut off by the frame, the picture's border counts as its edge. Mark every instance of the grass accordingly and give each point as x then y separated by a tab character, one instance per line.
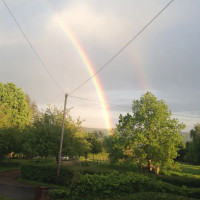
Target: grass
190	169
5	198
100	156
37	184
6	169
155	196
15	164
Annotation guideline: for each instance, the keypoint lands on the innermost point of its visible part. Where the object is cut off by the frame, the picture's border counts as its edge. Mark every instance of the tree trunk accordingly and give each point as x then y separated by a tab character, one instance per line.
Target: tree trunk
158	170
149	166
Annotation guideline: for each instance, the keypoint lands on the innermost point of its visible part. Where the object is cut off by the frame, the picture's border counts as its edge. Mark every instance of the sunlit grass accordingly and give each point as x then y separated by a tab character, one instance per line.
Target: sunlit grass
190	169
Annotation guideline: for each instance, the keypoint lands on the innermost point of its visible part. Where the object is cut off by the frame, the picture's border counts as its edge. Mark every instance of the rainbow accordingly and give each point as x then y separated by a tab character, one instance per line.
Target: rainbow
91	70
140	72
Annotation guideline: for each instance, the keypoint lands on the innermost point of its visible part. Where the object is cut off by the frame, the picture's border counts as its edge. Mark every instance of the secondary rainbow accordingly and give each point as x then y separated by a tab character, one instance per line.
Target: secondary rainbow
91	70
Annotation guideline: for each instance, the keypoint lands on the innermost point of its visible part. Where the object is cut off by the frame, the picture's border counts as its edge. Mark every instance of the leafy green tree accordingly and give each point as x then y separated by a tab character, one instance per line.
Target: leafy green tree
193	147
150	134
95	141
114	146
4	117
43	136
14	116
194	133
33	108
16	105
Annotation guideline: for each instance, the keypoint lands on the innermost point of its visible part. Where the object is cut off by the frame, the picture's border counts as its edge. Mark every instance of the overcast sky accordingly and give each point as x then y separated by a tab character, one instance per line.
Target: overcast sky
164	59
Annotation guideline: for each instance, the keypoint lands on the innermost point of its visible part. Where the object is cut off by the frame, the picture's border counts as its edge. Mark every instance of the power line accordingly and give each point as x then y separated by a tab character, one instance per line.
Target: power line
188	116
118	105
56	83
33	49
125	46
101	102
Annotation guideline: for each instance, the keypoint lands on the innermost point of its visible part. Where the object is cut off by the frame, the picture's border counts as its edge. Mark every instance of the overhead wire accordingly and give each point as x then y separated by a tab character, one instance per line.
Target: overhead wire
124	47
32	47
124	106
107	103
105	65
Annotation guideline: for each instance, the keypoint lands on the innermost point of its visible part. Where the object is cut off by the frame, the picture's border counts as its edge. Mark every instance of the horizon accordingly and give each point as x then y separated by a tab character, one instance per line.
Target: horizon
163	59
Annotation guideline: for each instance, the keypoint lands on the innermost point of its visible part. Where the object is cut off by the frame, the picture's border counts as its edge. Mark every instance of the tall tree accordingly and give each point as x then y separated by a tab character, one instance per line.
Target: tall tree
43	137
16	105
95	141
14	116
193	147
150	134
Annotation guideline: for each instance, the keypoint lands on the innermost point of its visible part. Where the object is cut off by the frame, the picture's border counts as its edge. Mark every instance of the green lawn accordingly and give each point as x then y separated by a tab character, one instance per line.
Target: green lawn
5	198
190	169
15	164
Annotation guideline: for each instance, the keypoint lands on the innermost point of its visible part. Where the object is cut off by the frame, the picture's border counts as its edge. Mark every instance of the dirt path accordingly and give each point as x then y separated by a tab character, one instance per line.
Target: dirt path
10	187
10	178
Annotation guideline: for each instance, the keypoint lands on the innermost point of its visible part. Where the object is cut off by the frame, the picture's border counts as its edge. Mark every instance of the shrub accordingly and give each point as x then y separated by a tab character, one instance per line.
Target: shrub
59	194
117	185
114	184
155	196
47	173
180	180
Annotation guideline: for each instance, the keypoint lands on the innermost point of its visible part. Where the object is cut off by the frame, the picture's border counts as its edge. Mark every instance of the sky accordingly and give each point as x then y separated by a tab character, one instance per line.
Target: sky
69	34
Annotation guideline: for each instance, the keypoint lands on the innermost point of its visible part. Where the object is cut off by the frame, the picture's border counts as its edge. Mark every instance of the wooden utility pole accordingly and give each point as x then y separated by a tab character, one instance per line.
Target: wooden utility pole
61	139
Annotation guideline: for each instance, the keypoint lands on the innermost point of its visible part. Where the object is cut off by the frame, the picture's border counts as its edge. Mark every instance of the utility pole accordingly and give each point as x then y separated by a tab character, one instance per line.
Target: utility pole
61	139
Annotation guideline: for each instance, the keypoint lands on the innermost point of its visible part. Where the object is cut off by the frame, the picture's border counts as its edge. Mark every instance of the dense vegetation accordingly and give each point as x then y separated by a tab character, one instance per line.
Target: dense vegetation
145	141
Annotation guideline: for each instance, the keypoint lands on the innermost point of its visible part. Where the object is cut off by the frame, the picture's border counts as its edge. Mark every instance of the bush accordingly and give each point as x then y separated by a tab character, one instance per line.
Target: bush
180	180
155	196
117	185
114	185
59	194
47	174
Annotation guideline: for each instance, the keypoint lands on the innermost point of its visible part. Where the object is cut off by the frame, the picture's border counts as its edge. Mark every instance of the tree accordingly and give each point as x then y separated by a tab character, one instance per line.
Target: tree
193	147
114	146
14	116
42	138
150	134
95	141
15	105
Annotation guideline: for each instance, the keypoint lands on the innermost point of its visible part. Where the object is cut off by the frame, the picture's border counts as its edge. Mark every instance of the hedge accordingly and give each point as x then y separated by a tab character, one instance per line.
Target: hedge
47	174
68	175
118	185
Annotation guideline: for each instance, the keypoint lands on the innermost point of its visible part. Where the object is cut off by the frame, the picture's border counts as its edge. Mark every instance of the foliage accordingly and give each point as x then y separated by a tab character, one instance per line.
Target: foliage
149	134
43	137
102	182
14	116
59	194
193	147
64	194
47	174
114	145
14	105
5	198
178	179
155	196
95	141
113	184
119	185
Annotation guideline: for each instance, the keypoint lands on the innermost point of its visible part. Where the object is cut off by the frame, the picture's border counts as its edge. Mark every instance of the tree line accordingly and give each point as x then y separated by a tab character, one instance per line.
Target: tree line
149	136
26	130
